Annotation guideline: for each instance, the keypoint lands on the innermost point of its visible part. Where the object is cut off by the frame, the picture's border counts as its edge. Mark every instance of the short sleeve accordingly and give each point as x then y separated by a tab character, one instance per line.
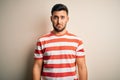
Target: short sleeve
38	52
80	52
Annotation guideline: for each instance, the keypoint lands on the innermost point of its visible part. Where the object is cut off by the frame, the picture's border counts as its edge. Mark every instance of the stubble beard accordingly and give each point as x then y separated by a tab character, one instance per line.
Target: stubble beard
59	30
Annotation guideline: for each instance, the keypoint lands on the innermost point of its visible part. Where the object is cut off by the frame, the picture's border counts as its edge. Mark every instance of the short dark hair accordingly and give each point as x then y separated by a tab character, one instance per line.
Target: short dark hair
59	7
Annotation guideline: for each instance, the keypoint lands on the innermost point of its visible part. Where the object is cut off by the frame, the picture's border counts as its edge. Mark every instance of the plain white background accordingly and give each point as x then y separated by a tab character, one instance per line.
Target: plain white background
97	22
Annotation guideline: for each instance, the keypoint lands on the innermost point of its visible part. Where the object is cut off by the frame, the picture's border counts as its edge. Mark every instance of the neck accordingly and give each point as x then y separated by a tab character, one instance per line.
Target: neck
60	33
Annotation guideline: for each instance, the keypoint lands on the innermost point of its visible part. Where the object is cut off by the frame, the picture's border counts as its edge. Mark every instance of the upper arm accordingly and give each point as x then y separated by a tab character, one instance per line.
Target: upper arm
38	63
38	54
37	69
81	62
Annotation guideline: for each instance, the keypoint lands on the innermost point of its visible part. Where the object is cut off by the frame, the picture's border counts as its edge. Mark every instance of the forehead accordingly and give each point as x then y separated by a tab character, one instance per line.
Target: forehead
58	13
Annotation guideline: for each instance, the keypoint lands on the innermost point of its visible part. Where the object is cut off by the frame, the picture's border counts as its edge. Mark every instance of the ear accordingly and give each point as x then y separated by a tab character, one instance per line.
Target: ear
67	18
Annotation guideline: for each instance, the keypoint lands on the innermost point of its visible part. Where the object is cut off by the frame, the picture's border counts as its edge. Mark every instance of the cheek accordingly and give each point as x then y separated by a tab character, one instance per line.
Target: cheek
65	21
54	22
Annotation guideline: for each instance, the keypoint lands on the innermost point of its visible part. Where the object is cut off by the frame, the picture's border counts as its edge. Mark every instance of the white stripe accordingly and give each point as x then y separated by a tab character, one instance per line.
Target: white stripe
59	70
38	55
59	61
55	37
38	48
54	44
80	47
60	52
80	54
59	78
60	44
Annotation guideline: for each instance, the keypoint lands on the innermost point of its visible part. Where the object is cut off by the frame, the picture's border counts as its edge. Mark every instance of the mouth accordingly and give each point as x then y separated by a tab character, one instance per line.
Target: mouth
59	25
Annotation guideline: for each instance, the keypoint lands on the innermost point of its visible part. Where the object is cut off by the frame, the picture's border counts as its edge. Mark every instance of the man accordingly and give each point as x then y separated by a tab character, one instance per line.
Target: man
59	52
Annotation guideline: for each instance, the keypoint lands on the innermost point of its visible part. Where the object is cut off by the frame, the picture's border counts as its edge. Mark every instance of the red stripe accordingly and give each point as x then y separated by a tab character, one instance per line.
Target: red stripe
59	65
59	40
62	40
60	48
38	44
38	51
59	57
58	74
81	50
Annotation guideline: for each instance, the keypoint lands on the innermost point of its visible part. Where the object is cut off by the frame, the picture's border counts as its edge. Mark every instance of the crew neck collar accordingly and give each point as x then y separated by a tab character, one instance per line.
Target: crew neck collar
52	32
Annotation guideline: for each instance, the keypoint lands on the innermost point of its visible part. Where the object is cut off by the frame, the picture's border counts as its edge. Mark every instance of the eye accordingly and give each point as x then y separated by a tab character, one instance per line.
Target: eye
55	17
62	17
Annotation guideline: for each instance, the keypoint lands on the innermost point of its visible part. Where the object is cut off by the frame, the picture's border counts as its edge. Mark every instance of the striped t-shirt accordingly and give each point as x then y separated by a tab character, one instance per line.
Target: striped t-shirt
59	54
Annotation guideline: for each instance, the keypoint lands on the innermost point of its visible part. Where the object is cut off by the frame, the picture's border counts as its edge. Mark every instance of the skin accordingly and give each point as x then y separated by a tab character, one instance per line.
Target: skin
82	68
59	20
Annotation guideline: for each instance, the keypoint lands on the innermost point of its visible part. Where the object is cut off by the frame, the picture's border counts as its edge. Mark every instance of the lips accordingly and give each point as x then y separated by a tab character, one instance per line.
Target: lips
59	25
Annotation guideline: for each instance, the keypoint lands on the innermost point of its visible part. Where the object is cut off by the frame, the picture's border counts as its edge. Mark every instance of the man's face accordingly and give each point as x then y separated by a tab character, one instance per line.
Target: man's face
59	20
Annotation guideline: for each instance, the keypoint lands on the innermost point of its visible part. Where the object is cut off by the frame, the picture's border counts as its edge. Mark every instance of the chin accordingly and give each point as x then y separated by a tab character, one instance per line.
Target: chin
59	29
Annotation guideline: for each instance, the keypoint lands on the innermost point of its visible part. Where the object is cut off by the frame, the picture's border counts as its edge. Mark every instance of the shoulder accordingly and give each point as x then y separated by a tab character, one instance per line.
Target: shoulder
74	36
43	37
70	34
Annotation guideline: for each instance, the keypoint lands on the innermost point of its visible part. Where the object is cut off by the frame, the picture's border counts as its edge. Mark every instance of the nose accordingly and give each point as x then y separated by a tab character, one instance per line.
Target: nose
59	20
